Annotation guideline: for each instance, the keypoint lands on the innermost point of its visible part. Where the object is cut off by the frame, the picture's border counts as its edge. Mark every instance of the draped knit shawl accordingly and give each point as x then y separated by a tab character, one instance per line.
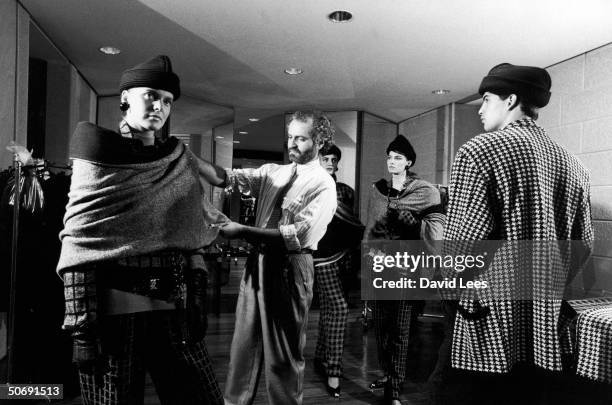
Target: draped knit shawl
122	203
417	199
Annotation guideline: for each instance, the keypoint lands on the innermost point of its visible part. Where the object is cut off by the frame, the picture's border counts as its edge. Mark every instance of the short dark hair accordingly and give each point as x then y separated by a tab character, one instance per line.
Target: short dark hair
527	107
322	131
331	149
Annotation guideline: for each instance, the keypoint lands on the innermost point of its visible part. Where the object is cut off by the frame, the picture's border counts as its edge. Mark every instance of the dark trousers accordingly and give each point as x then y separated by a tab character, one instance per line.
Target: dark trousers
270	331
148	341
332	318
392	320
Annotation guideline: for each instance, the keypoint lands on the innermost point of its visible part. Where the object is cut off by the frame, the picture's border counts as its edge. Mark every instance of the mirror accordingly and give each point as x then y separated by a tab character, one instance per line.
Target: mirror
58	98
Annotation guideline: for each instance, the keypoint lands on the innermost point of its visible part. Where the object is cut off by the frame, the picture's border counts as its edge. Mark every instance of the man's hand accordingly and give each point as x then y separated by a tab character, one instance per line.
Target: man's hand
232	230
252	234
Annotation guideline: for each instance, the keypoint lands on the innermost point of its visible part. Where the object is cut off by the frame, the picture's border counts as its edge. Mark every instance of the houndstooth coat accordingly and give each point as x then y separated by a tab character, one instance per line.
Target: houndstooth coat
516	184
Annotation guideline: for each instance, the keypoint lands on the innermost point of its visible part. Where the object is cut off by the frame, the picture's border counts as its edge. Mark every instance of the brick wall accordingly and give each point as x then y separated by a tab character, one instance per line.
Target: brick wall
422	132
376	134
436	136
579	117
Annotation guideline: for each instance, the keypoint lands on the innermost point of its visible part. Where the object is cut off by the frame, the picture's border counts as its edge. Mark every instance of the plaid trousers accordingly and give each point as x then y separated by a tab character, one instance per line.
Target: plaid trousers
332	318
151	341
392	320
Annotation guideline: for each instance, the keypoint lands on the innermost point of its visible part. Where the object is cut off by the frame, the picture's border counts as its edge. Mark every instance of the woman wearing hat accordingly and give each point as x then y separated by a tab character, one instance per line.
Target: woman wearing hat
134	281
333	256
402	208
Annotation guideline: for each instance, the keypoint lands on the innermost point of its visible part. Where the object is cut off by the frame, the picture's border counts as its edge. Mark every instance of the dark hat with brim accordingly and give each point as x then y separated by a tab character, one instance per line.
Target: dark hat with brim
401	145
529	82
155	73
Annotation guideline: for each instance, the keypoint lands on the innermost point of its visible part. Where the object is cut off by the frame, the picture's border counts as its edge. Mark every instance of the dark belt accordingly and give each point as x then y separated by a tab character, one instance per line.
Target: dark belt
160	275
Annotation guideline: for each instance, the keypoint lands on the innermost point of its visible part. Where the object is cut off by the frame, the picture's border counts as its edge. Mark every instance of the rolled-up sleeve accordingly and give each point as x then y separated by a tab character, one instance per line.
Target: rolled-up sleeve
309	221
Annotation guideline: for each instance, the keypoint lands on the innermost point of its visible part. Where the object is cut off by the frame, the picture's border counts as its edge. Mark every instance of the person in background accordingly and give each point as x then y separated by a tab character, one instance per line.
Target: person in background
331	258
514	183
296	202
402	208
134	277
329	158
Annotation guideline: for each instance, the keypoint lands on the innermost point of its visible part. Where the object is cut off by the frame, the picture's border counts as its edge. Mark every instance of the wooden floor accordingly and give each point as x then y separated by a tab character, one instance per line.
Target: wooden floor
360	361
360	358
360	365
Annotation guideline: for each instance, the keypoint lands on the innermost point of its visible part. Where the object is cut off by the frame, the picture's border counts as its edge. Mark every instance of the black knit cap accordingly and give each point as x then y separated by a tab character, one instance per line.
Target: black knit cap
401	145
155	73
529	82
331	149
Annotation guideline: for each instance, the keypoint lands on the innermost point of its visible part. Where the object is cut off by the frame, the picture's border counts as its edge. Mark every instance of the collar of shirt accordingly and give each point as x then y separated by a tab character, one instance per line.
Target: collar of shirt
125	130
307	167
523	122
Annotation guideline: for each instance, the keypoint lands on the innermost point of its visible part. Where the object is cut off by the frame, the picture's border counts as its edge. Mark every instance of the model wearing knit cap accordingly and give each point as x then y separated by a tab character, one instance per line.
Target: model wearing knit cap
134	275
148	91
401	145
404	208
531	83
155	73
511	92
513	183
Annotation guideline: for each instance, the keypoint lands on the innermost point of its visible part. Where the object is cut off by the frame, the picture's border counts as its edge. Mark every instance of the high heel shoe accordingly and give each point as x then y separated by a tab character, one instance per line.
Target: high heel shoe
333	392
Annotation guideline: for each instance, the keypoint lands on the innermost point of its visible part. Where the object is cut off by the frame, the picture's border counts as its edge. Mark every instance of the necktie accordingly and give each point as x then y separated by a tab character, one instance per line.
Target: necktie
277	211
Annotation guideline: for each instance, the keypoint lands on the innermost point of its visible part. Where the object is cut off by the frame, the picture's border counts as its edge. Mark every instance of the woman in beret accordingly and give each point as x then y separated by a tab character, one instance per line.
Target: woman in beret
134	277
401	208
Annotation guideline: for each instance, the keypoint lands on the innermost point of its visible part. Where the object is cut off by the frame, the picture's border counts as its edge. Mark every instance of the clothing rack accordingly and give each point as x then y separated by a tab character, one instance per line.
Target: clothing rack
54	165
32	292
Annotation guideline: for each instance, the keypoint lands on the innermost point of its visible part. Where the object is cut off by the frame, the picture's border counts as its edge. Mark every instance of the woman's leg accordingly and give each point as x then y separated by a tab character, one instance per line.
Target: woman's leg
182	372
399	335
118	377
335	312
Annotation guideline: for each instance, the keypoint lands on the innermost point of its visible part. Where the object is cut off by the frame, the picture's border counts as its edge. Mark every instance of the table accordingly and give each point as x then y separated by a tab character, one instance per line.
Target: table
594	338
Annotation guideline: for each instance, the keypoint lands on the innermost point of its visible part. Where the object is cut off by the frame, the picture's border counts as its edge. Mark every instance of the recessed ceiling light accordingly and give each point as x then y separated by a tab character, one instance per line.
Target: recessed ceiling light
293	71
440	91
242	132
218	137
110	50
253	119
340	16
236	141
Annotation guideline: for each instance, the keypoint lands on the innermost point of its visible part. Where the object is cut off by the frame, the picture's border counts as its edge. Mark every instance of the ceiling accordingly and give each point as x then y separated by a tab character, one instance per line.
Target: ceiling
387	61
